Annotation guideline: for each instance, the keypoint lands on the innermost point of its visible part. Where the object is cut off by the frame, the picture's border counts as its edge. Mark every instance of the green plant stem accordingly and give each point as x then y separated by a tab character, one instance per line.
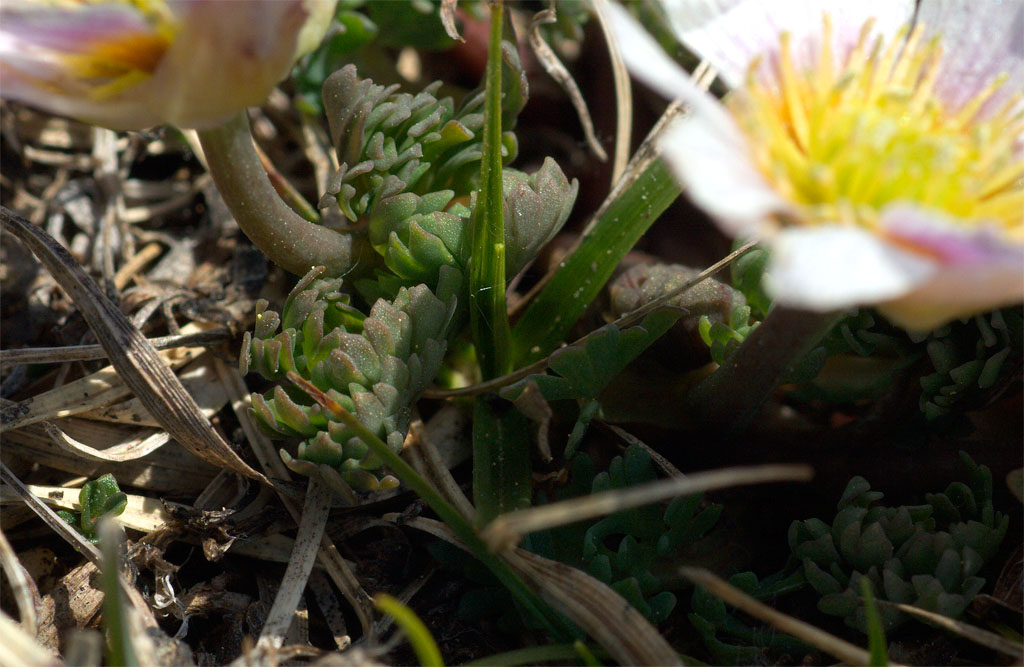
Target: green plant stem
291	242
580	278
734	394
415	631
488	315
530	601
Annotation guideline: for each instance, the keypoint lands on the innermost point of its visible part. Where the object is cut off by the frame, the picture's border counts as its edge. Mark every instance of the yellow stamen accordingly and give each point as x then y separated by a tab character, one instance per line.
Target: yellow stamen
843	143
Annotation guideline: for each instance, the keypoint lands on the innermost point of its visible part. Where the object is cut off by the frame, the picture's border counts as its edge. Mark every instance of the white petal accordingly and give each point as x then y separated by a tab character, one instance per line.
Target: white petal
830	268
647	61
706	150
980	40
711	158
731	33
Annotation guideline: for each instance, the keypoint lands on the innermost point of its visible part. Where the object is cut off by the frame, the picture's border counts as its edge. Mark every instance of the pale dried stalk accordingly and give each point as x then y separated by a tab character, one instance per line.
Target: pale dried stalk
25	593
19	649
168	469
307	542
600	611
72	537
623	94
448	19
834	646
58	355
604	614
508	529
197	379
973	633
93	391
557	71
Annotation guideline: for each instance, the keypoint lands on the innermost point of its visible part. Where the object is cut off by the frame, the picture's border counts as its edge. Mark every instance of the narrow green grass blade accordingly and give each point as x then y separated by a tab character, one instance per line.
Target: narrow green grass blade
415	631
876	634
583	274
488	315
120	650
501	459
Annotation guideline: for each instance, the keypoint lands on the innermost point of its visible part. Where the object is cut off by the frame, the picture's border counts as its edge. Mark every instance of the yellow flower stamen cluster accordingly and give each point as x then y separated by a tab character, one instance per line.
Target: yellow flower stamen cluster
841	145
118	63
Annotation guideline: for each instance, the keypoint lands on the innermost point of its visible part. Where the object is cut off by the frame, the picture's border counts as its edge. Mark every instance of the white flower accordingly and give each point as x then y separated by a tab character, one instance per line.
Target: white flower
130	65
878	154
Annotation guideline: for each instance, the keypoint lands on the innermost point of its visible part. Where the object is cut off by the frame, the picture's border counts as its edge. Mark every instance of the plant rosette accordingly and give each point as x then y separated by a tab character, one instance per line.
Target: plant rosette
877	153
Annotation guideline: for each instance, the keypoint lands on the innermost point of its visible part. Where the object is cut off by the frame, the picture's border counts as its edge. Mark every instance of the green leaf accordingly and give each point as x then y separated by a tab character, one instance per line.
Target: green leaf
584	273
501	459
876	633
587	368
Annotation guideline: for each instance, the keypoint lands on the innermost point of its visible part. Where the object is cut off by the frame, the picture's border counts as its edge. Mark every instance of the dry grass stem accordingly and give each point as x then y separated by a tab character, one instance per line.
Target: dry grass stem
834	646
623	95
57	355
557	71
24	589
970	632
307	542
142	513
338	570
508	529
19	648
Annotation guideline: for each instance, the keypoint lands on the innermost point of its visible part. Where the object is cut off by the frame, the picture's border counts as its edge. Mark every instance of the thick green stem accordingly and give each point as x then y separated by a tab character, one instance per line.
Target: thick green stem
293	243
734	394
488	314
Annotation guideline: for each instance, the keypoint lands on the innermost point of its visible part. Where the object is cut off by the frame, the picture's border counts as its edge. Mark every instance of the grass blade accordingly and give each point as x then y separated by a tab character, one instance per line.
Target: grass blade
585	272
488	315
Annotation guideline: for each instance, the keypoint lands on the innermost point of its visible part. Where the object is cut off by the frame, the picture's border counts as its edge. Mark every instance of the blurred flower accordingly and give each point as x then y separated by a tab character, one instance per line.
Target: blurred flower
130	65
879	155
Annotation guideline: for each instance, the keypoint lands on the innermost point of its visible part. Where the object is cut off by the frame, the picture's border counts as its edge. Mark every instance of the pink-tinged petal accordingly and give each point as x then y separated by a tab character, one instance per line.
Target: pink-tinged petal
69	30
981	40
978	269
711	158
730	34
835	267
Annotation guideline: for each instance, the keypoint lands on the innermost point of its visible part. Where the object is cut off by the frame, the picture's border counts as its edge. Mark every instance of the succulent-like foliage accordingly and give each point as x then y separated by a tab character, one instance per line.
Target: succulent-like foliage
927	555
969	359
373	366
622	549
409	167
716	313
98	498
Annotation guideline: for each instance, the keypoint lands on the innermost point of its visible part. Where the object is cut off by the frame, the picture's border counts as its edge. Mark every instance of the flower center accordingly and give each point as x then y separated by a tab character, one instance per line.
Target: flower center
118	61
842	145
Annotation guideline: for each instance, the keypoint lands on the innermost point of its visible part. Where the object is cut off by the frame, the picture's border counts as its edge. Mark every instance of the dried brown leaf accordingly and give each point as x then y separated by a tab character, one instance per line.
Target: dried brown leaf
138	364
